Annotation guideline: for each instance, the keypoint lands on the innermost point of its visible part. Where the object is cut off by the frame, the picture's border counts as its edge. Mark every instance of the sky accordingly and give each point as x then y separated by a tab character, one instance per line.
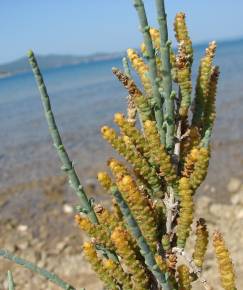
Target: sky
83	27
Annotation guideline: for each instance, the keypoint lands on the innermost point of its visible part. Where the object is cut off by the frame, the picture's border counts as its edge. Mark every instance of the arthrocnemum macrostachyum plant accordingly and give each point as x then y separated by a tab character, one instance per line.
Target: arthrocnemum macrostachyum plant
136	244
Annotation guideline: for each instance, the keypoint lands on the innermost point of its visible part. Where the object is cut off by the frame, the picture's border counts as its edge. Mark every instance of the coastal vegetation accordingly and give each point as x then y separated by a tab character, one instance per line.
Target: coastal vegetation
164	141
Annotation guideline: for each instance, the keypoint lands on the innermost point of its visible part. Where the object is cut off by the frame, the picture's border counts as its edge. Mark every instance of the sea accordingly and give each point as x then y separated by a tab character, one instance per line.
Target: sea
84	97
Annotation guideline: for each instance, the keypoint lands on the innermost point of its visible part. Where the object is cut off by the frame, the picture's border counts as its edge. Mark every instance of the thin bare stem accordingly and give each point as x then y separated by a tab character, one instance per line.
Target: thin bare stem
58	144
32	267
157	100
11	285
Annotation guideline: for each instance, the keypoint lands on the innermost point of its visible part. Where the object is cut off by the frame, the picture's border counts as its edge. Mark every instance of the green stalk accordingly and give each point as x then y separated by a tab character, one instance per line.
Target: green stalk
126	67
167	78
32	267
157	100
61	151
144	247
11	285
86	204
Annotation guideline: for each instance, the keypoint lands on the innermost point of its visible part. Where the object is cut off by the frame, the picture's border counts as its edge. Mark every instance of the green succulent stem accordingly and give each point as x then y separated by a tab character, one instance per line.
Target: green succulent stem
11	285
157	100
126	67
143	245
57	141
86	203
166	72
32	267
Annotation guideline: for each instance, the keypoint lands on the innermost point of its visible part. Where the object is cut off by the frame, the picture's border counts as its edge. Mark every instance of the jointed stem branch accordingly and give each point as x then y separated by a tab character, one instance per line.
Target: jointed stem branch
11	285
44	273
67	163
158	105
166	71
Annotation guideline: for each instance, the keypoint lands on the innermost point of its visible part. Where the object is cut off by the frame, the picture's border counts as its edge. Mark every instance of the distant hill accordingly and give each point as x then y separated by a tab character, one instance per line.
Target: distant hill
52	61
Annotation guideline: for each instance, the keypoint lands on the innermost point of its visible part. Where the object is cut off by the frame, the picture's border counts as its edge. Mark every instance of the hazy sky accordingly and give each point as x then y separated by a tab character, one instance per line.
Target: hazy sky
88	26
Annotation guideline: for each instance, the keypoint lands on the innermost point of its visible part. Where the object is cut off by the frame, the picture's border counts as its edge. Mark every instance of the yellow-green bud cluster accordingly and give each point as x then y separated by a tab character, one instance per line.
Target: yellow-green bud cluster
200	168
105	217
184	278
97	265
185	213
125	250
155	36
184	79
115	270
192	140
190	160
132	132
181	34
131	110
225	264
158	152
141	68
100	232
139	163
140	206
141	102
141	209
203	84
210	111
201	243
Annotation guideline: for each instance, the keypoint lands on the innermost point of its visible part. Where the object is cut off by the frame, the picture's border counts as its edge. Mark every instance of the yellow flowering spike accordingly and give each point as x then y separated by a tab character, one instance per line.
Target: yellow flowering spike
139	163
200	168
201	243
156	44
184	79
117	167
173	65
190	160
141	102
158	152
97	265
210	111
155	37
99	232
141	209
181	34
118	274
133	133
225	264
203	84
185	213
105	217
161	263
166	242
135	267
141	68
184	278
192	140
131	110
104	180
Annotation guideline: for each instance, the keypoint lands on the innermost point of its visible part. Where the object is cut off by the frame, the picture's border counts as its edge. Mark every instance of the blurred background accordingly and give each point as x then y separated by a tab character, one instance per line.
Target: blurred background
77	43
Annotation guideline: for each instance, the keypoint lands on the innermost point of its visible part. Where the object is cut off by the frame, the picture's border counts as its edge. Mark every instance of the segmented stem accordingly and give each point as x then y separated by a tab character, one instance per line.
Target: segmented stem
11	285
158	105
32	267
166	72
61	151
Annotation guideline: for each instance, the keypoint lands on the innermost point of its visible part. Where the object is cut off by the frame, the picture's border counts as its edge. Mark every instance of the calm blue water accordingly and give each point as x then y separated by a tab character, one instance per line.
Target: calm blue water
84	97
